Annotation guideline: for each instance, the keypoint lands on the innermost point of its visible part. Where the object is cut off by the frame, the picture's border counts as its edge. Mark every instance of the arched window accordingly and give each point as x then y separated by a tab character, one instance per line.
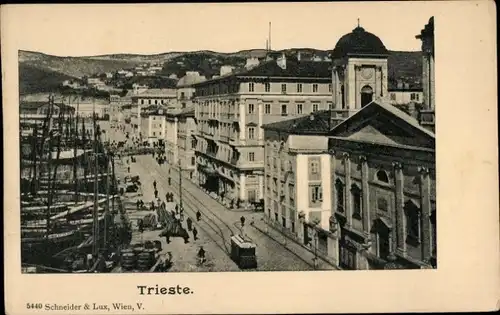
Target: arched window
366	95
382	177
339	187
357	205
413	220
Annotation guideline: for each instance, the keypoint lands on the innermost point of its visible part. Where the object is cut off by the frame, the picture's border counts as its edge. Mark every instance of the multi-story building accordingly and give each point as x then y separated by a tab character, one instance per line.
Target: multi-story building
185	89
180	141
403	93
231	109
297	179
374	173
427	114
153	126
165	97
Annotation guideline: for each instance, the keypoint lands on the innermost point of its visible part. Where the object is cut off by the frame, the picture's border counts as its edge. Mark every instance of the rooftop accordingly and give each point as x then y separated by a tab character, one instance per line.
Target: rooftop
359	42
293	69
317	123
157	93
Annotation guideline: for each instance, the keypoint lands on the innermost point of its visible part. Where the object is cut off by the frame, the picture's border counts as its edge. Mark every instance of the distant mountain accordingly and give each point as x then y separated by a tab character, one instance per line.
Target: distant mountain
401	64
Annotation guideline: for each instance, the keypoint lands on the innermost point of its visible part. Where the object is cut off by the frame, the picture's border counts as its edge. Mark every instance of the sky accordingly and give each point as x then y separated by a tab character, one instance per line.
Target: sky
85	30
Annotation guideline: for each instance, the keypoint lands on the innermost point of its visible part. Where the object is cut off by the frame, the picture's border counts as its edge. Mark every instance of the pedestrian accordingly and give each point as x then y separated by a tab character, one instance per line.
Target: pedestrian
189	223
185	236
156	194
154	184
195	233
176	209
169	181
153	205
138	204
167	237
128	169
201	255
140	224
198	215
242	220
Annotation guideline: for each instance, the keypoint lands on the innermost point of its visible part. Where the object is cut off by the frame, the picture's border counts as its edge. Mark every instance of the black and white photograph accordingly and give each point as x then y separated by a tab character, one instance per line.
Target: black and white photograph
275	158
249	157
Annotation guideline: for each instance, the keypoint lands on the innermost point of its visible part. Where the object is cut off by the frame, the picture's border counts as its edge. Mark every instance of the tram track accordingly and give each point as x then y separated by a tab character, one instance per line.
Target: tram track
212	220
194	203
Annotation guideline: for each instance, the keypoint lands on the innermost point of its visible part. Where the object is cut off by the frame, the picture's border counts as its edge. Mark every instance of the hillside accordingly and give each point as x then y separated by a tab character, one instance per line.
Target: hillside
38	80
401	64
73	66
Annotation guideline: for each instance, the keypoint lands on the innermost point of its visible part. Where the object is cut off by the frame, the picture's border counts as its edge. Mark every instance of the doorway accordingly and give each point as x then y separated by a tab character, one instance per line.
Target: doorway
366	95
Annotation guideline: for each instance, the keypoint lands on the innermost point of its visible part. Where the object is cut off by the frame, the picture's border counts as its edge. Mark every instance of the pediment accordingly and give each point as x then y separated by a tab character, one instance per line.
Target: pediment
387	126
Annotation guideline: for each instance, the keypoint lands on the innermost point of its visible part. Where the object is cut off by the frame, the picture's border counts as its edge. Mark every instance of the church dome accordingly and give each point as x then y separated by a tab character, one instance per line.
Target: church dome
359	42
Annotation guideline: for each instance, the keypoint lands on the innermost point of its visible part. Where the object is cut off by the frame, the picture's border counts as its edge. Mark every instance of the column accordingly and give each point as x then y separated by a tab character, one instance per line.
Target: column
242	186
347	189
425	201
365	195
333	179
334	87
357	89
351	87
261	186
431	82
243	127
260	131
400	216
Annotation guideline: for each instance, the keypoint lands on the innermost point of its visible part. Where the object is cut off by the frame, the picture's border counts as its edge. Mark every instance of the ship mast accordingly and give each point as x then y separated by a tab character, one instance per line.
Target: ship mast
47	133
75	149
96	186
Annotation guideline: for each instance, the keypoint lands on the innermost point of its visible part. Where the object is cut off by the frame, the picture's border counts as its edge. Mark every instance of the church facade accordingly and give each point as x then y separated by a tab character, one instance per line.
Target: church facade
380	184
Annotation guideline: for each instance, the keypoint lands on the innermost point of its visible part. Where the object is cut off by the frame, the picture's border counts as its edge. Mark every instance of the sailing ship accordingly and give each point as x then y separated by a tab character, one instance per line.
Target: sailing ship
61	168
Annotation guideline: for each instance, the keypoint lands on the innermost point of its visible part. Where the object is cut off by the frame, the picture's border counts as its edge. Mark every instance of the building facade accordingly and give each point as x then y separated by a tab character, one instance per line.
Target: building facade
153	127
383	190
231	110
181	141
297	180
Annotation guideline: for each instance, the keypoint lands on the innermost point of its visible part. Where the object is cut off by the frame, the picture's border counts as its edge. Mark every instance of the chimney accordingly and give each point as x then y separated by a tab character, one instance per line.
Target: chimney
281	61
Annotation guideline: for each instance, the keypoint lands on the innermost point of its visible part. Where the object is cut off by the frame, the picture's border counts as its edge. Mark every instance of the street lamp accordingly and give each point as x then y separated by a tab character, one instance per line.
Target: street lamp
180	184
315	223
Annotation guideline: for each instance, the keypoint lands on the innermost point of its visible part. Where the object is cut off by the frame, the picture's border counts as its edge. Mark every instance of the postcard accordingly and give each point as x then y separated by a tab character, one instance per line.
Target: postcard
250	158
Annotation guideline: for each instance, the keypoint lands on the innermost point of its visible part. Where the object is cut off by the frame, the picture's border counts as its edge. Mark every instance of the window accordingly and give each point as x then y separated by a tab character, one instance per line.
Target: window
283	88
339	187
251	133
251	156
330	87
251	87
251	108
416	96
193	144
267	87
393	96
284	110
413	220
314	167
149	102
315	107
315	88
154	133
299	88
382	204
291	192
316	194
382	177
156	102
356	201
330	105
412	96
268	108
193	160
299	109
